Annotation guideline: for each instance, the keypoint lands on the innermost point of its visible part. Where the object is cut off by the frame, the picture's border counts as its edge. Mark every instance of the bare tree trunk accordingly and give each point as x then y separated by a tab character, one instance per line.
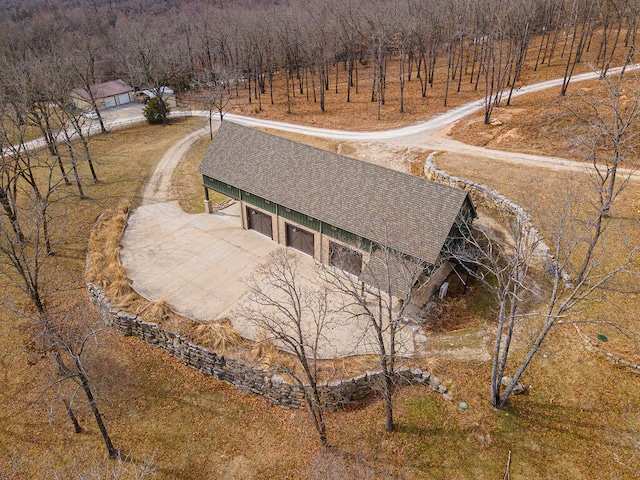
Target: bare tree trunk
449	65
349	80
74	167
113	453
10	213
324	85
461	61
286	75
76	426
401	67
271	86
575	54
85	146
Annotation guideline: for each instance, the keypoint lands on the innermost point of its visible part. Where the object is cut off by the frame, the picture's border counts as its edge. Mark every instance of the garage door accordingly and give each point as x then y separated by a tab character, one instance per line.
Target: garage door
259	221
300	239
345	258
109	102
123	98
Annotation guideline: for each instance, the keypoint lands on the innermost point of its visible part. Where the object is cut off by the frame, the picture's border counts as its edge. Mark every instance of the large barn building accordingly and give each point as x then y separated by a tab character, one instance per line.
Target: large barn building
334	208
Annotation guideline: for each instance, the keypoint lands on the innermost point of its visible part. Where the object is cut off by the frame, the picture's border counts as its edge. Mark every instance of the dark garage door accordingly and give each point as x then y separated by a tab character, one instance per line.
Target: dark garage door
260	222
345	258
300	239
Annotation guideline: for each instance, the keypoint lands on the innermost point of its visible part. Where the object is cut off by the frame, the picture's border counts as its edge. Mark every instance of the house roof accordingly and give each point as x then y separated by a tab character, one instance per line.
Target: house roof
405	212
106	89
388	271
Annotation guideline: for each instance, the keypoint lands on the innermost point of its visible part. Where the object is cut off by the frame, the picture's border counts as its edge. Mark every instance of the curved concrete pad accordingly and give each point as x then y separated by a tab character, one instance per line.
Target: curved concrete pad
197	262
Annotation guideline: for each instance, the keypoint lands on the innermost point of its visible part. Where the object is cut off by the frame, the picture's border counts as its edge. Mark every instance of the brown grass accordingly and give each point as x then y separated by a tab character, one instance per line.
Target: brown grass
186	182
195	427
159	311
218	336
540	123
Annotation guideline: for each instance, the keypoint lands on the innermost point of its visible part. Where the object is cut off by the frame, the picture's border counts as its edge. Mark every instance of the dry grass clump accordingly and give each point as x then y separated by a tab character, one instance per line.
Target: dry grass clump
117	288
126	302
104	268
270	357
218	336
160	311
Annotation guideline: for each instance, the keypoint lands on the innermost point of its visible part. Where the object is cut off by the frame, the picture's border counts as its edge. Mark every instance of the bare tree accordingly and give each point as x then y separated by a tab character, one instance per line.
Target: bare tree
587	251
582	24
295	314
88	43
27	190
25	233
380	295
606	131
66	337
214	91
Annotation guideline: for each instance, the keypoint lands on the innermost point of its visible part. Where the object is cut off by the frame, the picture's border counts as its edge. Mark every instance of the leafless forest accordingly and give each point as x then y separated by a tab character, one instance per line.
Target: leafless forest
50	47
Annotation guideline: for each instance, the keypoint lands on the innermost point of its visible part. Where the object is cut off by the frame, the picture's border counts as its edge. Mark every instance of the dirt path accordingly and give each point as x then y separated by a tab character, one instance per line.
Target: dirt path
158	187
439	141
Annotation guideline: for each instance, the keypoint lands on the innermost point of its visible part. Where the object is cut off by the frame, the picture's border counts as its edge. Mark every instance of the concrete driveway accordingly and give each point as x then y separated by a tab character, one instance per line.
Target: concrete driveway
197	262
194	262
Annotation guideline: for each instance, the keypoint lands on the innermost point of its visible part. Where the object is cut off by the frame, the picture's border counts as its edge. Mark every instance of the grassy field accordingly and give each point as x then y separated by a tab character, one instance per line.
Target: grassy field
186	182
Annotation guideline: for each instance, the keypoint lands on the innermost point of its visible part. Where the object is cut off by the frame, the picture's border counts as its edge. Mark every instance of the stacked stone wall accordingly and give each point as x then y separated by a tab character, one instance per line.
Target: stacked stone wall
248	378
500	207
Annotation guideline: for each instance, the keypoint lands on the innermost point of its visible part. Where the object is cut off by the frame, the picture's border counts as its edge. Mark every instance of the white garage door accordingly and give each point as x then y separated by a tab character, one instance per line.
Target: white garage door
123	98
109	102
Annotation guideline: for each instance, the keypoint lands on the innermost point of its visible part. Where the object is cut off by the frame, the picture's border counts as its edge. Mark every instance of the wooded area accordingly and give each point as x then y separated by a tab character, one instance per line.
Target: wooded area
247	47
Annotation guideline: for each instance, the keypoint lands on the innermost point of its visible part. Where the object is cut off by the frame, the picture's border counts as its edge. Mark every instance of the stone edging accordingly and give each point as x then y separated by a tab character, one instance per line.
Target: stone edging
594	347
249	378
496	203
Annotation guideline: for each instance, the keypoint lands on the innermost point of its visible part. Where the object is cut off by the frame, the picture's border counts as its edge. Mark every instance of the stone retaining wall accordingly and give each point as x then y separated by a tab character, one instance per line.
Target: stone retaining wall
248	378
499	206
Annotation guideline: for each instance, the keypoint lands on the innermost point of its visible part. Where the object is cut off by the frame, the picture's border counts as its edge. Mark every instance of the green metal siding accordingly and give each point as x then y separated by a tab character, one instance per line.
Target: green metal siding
288	214
259	202
346	237
221	187
299	218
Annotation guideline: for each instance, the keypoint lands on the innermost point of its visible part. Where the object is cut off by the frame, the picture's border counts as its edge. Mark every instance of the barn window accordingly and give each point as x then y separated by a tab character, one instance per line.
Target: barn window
345	258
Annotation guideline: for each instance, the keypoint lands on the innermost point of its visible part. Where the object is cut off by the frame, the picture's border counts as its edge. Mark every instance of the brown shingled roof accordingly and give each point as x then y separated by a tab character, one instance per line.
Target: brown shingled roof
106	89
405	212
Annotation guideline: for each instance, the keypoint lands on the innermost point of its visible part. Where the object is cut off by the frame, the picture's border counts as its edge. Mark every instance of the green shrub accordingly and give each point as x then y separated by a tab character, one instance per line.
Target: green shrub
154	112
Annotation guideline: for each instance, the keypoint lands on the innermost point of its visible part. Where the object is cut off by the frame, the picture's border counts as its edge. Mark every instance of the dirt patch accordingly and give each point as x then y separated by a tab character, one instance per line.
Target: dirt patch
467	344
